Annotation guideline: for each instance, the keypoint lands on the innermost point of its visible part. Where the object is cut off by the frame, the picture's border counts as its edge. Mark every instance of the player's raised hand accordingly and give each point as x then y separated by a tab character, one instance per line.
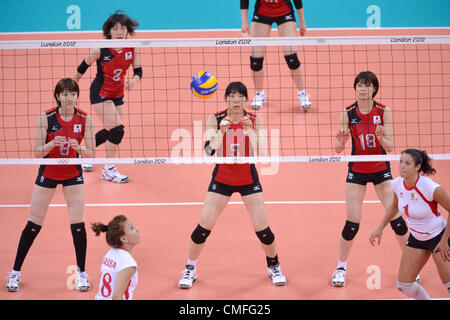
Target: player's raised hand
247	124
380	132
225	124
342	136
59	141
73	143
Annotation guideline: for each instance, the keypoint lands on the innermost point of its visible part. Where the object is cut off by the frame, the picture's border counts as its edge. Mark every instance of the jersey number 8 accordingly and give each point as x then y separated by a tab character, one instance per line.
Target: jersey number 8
64	149
106	289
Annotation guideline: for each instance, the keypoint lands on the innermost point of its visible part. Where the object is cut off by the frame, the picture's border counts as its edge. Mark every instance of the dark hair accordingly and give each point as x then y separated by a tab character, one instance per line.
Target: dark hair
422	158
119	17
66	84
238	87
367	78
114	230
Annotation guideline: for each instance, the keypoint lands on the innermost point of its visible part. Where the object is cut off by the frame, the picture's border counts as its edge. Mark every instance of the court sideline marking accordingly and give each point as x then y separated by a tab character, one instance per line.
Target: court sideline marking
157	204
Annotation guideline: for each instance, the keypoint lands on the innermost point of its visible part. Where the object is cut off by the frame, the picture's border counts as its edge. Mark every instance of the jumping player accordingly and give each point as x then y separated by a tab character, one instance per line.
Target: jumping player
119	276
418	197
59	132
369	124
107	89
266	13
234	132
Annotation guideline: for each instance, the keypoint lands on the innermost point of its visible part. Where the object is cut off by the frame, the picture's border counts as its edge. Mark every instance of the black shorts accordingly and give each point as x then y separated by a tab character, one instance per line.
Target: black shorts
427	244
271	20
364	178
50	183
95	98
228	190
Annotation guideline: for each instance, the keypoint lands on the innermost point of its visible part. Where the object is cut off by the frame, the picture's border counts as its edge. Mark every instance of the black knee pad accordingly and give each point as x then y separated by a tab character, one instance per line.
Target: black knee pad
350	230
399	226
200	234
266	236
292	61
116	134
101	137
256	64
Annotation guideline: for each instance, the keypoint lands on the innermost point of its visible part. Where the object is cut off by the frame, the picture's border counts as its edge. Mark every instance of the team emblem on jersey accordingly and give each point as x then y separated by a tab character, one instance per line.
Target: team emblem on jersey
376	119
77	128
128	55
288	17
413	196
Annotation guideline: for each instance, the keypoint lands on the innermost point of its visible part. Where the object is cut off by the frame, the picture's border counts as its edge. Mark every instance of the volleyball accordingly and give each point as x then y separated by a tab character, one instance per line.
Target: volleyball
204	84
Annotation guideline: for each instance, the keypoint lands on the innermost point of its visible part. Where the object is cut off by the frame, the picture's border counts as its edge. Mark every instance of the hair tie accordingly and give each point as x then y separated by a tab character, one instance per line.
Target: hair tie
104	228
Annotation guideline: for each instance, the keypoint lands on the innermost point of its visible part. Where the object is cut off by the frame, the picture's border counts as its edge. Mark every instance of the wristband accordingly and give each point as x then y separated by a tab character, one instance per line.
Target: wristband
82	67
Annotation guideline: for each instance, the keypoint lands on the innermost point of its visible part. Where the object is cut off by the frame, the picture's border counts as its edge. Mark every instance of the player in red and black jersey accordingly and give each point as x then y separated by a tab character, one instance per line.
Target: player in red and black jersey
59	132
369	124
266	13
234	133
107	89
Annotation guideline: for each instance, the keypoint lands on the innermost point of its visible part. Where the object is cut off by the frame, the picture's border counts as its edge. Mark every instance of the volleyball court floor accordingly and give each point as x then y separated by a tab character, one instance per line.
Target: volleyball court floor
306	211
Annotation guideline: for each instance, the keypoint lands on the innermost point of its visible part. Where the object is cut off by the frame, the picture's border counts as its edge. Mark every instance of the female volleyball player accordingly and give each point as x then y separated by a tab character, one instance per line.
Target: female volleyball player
369	124
281	12
107	89
119	275
59	132
234	132
418	197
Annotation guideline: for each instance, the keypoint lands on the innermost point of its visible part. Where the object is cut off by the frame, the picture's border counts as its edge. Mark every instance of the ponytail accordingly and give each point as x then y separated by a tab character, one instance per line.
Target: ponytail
114	230
98	227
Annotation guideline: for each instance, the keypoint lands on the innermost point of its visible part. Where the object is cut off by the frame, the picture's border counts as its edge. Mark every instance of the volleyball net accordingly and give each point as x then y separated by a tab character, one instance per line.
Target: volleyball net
165	122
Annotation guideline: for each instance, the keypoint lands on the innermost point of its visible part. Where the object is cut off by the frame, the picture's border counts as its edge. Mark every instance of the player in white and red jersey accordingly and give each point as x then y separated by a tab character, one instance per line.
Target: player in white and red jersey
369	124
418	197
266	13
234	133
59	133
107	89
119	276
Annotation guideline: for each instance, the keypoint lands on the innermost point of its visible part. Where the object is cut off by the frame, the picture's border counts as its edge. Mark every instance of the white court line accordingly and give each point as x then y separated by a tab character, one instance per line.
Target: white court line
162	204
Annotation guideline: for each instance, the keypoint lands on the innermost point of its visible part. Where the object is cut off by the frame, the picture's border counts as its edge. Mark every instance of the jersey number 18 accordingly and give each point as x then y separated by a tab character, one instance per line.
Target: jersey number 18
367	141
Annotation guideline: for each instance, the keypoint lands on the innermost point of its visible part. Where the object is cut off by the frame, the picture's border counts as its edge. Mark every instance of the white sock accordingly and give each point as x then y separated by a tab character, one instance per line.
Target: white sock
301	92
421	294
14	272
413	290
192	263
109	166
261	92
342	264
